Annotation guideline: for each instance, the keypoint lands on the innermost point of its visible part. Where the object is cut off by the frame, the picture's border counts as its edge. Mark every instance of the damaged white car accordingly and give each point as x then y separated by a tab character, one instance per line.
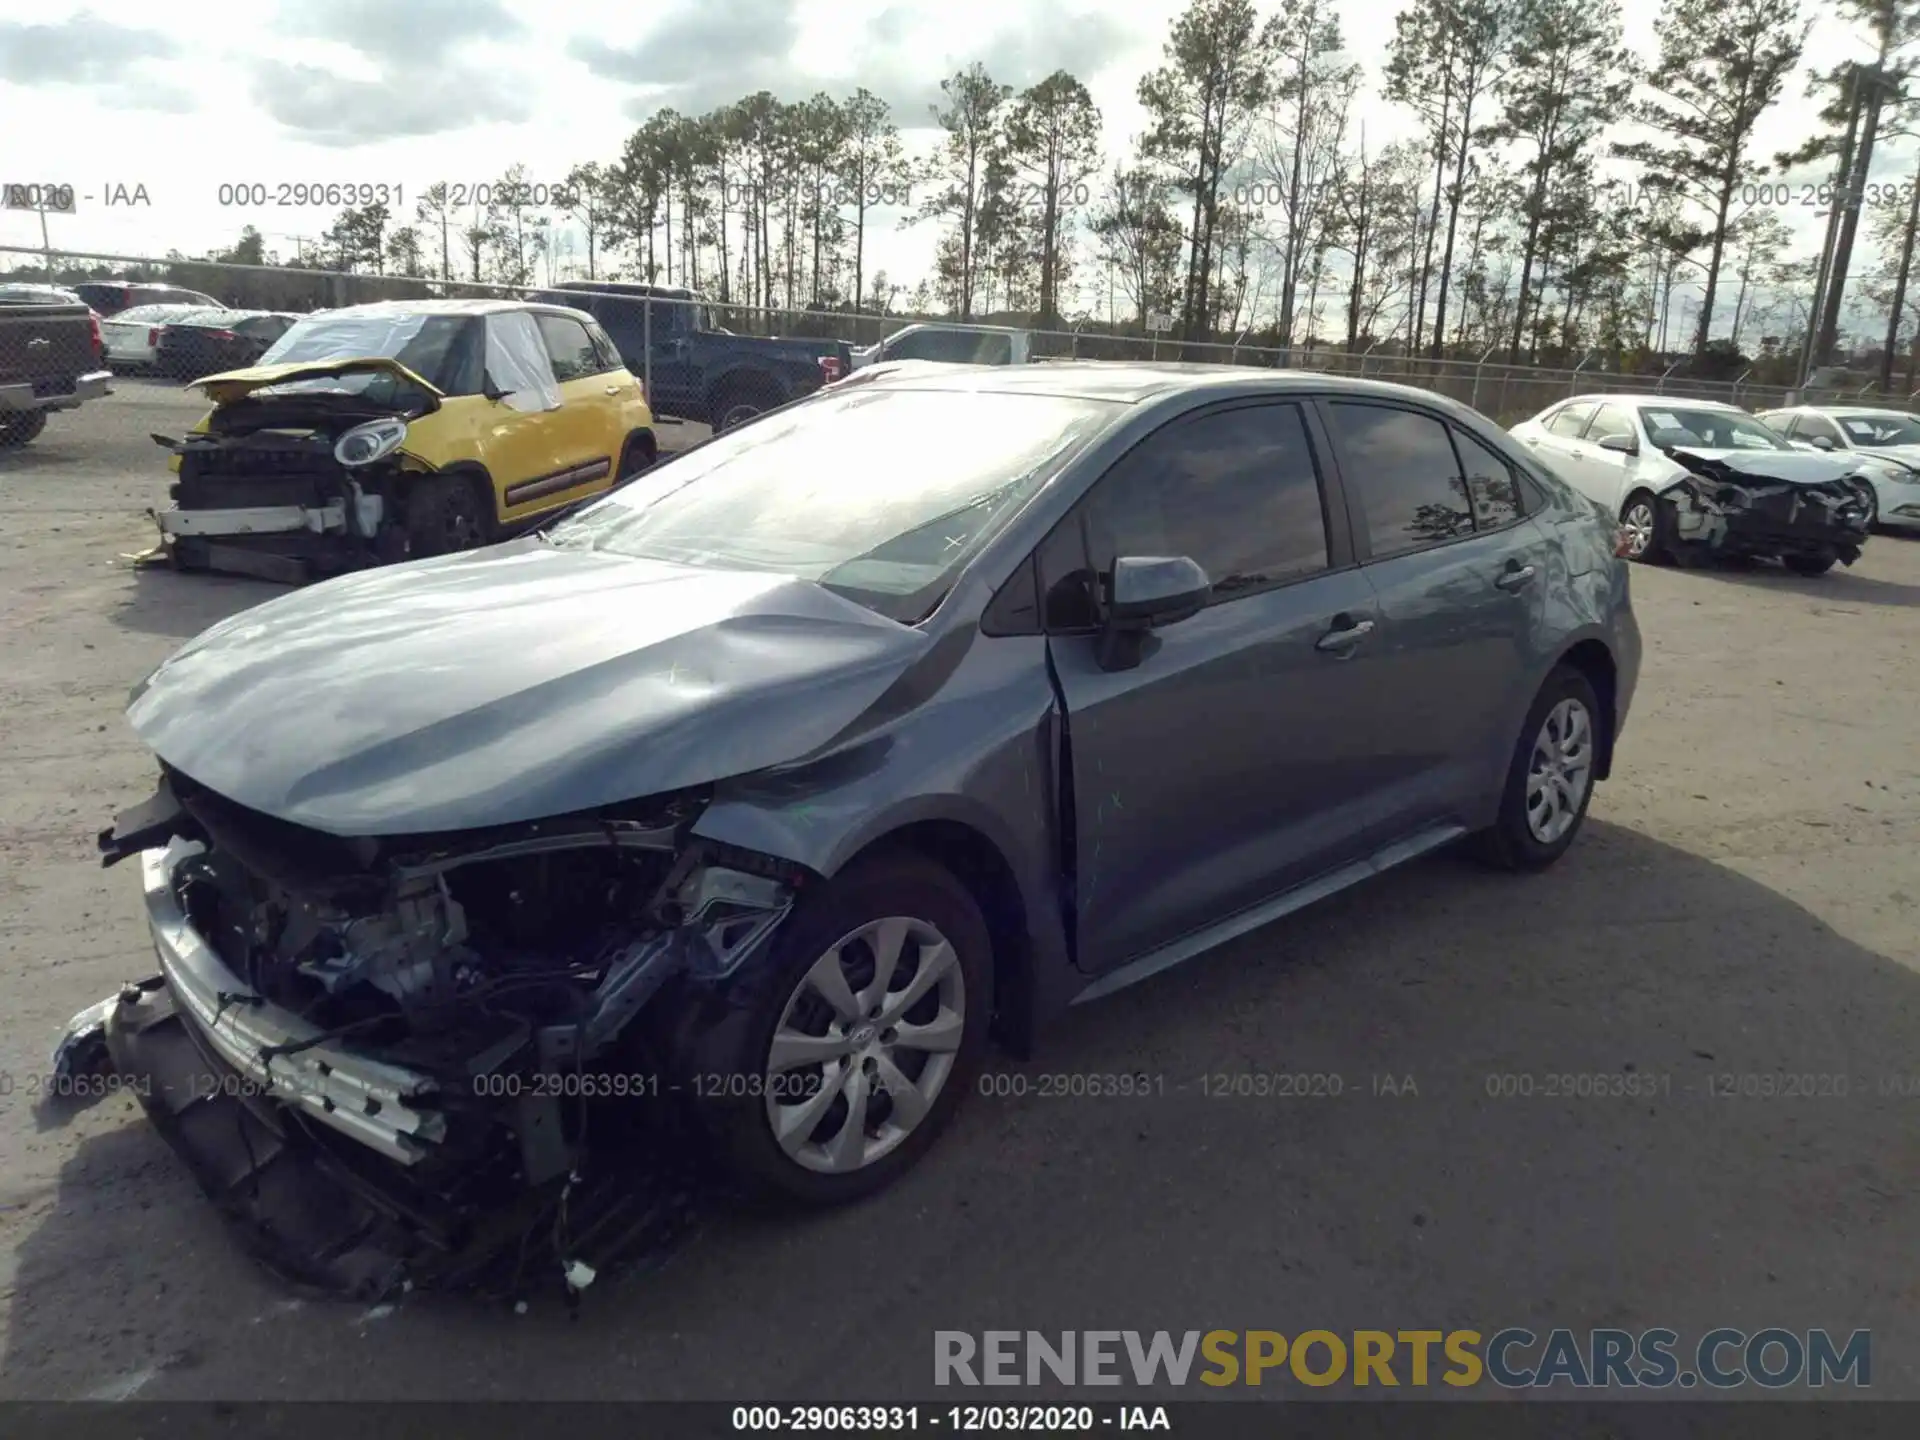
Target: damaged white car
1693	480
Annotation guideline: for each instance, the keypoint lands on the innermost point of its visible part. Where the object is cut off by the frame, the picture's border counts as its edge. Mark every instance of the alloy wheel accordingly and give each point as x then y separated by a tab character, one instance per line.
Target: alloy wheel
1638	524
1559	771
865	1044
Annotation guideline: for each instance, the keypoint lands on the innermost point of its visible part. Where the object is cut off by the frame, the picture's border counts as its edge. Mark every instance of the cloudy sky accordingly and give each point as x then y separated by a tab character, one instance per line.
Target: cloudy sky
182	98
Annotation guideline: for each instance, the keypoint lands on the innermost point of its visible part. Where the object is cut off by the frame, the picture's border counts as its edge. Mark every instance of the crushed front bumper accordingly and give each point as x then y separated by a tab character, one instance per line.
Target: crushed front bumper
329	1162
275	1053
288	543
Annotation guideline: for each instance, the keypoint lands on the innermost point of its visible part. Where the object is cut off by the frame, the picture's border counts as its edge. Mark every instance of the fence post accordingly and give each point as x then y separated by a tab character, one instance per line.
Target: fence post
1573	381
1741	381
1660	386
1478	366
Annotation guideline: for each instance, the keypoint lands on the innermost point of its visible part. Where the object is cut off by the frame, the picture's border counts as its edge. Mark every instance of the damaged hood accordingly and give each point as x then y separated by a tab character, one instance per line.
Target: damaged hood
512	684
1793	467
231	385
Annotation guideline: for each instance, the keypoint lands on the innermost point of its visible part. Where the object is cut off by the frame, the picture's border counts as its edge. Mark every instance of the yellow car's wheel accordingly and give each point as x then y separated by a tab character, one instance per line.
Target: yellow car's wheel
445	514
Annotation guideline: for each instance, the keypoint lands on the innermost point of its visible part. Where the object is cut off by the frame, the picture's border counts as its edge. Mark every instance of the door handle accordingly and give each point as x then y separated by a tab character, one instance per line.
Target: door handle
615	389
1344	639
1516	577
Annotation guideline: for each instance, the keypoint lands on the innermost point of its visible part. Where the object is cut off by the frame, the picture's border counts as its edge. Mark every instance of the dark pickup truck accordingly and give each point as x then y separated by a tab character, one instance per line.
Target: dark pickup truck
700	371
49	360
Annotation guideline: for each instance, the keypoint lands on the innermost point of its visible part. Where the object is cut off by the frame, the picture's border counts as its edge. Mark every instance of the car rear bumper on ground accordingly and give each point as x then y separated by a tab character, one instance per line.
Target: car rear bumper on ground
27	395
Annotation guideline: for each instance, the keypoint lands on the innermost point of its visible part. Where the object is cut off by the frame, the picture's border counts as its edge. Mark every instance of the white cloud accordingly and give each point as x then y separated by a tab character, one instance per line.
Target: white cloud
185	98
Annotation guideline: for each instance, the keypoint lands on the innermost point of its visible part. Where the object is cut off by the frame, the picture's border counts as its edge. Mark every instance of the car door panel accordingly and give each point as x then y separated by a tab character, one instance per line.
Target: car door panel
1256	743
1459	610
1216	772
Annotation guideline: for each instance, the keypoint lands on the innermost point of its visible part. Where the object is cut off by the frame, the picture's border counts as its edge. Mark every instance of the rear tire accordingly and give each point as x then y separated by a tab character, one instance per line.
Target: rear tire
833	942
22	429
445	514
1550	778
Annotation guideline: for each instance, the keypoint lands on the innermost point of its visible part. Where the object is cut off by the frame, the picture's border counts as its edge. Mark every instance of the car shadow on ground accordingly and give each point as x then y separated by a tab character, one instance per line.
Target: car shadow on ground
1464	1194
165	601
1839	584
51	454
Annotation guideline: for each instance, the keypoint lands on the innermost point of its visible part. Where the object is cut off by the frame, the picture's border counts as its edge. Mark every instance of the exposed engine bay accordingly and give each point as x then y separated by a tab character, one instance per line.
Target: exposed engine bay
263	490
428	1060
1724	510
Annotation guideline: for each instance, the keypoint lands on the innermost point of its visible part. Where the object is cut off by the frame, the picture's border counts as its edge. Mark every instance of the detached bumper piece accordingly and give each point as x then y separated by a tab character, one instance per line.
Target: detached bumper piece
330	1221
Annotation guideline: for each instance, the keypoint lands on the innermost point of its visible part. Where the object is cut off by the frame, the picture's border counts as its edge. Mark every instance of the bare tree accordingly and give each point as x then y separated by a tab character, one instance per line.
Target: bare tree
1201	104
1297	152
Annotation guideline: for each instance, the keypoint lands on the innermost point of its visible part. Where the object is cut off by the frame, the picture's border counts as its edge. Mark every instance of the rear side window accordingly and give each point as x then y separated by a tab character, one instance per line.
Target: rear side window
1406	475
604	348
1570	420
569	347
1235	490
1491	491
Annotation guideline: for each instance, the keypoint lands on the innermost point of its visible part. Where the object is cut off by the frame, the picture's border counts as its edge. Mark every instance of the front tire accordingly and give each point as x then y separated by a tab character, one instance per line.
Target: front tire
1550	778
867	1033
444	515
1809	565
1645	529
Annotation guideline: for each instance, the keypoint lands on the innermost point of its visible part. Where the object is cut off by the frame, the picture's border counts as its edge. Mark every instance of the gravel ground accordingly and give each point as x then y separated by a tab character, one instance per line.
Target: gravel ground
1743	902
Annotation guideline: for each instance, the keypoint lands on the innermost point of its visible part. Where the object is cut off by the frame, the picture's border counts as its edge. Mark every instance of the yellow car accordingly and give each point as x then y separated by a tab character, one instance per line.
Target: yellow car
389	432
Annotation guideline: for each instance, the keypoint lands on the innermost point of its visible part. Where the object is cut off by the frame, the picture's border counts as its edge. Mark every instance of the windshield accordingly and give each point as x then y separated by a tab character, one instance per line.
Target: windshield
1709	430
1870	431
880	495
440	349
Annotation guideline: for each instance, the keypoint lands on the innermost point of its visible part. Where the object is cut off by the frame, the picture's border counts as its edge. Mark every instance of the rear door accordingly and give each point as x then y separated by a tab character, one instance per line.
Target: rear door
1462	577
1559	434
1607	475
577	435
1218	771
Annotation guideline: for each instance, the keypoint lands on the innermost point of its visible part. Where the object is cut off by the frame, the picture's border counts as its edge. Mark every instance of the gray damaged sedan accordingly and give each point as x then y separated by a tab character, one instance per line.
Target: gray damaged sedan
505	900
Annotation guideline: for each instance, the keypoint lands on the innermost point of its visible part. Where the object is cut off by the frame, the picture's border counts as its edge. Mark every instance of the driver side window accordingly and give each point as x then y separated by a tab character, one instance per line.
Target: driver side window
1235	490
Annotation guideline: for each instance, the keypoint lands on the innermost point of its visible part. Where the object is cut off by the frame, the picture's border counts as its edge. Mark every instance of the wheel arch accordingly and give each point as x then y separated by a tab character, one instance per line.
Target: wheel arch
978	863
476	474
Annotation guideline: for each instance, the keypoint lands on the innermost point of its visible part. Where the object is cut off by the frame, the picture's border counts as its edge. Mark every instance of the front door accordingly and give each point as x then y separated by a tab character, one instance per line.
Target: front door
1216	773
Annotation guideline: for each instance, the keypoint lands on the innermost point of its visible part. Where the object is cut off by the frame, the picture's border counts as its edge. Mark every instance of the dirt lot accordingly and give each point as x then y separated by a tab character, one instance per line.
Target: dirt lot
1745	901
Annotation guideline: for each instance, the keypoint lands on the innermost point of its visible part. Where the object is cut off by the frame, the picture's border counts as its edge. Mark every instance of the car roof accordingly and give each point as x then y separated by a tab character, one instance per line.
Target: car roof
1131	382
1850	410
625	288
1641	398
487	306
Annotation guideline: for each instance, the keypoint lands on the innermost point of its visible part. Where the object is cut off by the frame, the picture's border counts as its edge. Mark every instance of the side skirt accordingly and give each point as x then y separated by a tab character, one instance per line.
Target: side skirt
1267	911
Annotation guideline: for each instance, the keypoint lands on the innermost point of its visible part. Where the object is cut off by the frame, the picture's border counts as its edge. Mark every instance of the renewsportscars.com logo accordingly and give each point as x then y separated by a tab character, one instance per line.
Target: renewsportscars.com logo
1514	1358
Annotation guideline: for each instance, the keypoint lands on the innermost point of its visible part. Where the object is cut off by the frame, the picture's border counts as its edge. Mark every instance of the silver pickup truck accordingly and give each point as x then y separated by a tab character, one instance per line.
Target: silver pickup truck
50	359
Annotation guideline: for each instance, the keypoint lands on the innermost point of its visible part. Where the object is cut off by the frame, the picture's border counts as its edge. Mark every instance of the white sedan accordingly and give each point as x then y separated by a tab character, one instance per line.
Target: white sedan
1698	479
132	337
1885	442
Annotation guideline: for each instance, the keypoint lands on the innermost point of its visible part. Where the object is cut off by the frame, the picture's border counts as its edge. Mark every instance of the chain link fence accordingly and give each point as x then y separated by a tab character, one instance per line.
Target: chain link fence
701	359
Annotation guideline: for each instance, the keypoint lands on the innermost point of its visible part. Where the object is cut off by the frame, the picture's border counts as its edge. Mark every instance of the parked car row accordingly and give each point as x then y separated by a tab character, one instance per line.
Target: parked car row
188	341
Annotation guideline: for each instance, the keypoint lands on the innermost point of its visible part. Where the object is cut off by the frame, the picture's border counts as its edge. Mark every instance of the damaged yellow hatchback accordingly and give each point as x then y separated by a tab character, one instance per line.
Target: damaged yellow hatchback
395	431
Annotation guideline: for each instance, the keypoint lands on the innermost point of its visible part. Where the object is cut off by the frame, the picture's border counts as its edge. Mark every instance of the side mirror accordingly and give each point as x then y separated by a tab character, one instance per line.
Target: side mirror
1147	592
492	391
1624	444
1155	590
1820	442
